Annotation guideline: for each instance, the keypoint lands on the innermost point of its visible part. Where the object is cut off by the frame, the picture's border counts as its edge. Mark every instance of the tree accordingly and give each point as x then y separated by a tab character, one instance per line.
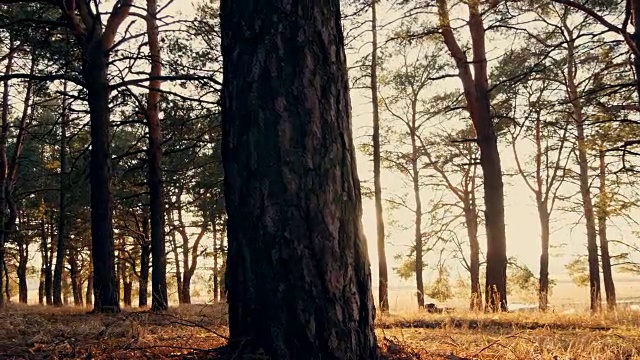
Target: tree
156	206
298	275
477	94
383	277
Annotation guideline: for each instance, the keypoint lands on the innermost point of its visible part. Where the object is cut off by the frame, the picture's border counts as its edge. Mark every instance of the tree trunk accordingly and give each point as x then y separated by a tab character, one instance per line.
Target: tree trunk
88	298
186	288
585	191
174	244
303	291
415	177
105	282
471	222
223	269
216	253
7	286
476	92
159	300
145	252
74	273
3	167
609	286
62	228
23	260
383	277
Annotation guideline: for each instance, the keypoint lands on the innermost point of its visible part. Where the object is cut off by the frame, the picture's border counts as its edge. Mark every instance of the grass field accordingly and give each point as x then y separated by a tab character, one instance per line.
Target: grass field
188	332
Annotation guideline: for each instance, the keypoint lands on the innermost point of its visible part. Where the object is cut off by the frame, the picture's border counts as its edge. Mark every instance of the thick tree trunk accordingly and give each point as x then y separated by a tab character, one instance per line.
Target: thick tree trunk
186	288
383	277
159	300
303	291
145	252
607	276
105	282
174	244
62	215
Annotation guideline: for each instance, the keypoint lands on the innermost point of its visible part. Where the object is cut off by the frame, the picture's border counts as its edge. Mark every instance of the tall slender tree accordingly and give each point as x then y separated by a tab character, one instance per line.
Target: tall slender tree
299	280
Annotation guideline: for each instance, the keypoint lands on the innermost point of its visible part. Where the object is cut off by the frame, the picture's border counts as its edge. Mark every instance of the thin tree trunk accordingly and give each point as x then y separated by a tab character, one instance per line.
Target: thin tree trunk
3	167
216	253
23	291
159	300
585	191
383	277
303	291
7	286
145	252
223	267
62	228
88	298
415	177
74	273
49	276
609	286
471	222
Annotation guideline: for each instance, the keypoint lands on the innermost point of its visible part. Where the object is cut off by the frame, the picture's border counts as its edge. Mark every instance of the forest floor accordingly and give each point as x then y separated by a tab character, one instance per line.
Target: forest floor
188	332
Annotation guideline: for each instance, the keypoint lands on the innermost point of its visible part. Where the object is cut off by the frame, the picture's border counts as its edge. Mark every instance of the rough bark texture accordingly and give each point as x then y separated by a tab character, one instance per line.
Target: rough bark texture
607	276
298	276
105	282
383	277
415	178
476	92
159	299
3	168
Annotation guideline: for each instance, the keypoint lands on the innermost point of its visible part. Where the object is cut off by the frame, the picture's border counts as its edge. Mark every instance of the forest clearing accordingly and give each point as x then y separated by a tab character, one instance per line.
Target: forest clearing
196	331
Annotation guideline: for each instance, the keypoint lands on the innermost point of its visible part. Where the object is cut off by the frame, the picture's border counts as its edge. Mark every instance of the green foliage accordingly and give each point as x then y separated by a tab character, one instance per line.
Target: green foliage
441	289
578	271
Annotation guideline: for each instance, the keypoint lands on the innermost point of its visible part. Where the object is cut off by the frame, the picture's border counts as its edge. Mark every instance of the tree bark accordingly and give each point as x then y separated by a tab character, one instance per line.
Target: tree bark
471	222
23	260
74	274
415	178
3	166
88	298
216	253
298	276
62	216
145	253
159	300
585	191
383	277
607	277
105	282
223	268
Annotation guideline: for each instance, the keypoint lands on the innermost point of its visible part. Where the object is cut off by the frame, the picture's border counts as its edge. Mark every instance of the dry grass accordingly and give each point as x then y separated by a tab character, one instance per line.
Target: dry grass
189	331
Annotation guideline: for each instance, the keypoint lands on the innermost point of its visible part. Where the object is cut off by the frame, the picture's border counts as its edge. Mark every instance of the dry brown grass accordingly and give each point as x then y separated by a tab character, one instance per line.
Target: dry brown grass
190	331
